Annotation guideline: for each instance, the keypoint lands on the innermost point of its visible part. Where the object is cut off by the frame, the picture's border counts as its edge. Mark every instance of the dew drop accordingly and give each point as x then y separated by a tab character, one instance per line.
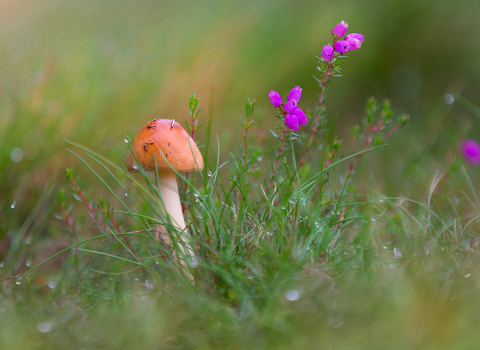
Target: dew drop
148	285
209	173
126	139
28	263
126	194
134	166
1	264
44	327
455	200
467	275
52	284
397	254
193	262
292	295
283	208
259	159
449	99
13	205
18	282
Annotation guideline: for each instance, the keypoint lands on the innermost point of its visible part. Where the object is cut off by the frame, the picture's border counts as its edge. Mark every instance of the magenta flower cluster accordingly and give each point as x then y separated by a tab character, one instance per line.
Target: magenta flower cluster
471	151
349	43
294	116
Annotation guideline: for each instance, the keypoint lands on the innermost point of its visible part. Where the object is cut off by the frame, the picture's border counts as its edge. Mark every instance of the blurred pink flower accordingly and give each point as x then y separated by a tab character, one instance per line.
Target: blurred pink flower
341	46
275	98
302	118
290	106
327	52
471	151
295	94
340	29
292	122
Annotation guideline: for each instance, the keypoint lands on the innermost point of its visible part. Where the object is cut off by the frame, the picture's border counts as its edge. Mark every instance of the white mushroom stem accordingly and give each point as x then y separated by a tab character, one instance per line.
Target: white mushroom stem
169	190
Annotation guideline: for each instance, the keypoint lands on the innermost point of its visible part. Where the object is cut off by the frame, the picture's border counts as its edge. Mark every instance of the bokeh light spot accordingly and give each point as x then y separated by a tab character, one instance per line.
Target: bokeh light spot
449	99
16	154
132	64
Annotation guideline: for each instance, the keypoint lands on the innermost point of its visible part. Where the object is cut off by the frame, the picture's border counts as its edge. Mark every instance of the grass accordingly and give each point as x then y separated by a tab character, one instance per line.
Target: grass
370	243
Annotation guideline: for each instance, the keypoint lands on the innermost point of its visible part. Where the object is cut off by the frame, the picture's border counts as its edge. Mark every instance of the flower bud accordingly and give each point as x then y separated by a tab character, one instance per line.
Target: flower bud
470	150
327	52
340	29
302	118
292	122
295	94
290	106
275	98
341	46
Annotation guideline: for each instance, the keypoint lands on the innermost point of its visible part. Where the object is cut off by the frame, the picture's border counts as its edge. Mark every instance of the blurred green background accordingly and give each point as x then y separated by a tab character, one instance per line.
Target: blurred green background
90	71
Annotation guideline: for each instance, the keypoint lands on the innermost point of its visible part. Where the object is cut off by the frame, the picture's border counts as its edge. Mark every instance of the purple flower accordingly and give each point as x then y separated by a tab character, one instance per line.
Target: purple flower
340	29
275	98
295	94
341	46
471	151
290	106
327	53
356	36
292	122
302	118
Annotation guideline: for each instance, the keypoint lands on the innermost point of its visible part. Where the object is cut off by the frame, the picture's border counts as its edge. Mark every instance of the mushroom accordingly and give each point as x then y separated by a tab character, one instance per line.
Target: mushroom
164	145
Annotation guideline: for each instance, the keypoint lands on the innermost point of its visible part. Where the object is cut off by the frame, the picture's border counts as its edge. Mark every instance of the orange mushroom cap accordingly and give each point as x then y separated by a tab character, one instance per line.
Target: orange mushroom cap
165	142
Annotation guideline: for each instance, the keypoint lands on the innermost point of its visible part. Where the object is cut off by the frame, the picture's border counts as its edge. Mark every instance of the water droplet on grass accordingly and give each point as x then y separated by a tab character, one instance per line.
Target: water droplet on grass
126	194
209	173
397	254
292	295
44	327
52	284
148	285
259	159
467	275
18	282
126	139
449	99
28	263
292	201
455	200
1	264
193	262
13	205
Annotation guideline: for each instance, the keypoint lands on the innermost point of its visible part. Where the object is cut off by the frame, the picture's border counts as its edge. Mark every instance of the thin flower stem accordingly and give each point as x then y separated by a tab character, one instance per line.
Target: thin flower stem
97	220
280	151
319	110
70	223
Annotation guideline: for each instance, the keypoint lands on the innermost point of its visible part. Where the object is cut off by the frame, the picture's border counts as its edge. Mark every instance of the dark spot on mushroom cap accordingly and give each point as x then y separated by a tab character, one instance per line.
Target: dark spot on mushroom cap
169	144
166	154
